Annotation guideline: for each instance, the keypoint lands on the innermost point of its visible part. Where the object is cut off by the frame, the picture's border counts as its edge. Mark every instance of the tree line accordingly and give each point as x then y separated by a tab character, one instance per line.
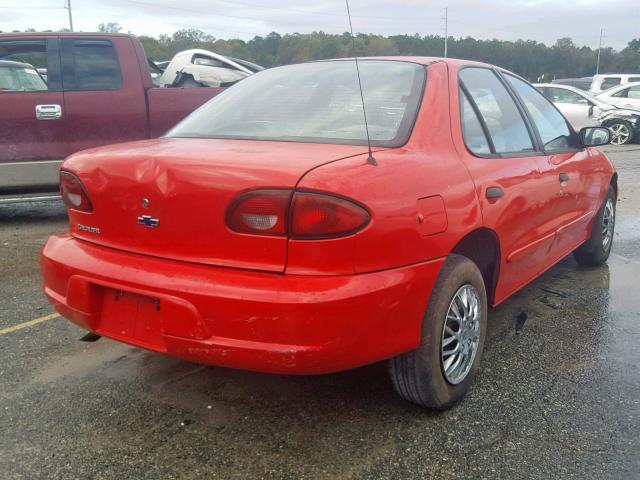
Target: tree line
532	60
528	58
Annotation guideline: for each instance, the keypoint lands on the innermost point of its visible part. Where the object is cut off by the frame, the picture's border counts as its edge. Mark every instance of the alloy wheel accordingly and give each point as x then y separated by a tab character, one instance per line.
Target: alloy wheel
461	334
608	223
619	134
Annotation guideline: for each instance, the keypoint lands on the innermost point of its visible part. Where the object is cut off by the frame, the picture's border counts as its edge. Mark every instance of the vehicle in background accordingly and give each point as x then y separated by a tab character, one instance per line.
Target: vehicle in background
20	77
606	81
585	110
627	95
583	83
98	91
201	68
263	231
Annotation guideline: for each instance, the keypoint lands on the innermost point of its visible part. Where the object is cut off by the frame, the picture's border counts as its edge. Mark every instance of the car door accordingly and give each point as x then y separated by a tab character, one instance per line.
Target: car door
32	115
569	179
103	93
499	151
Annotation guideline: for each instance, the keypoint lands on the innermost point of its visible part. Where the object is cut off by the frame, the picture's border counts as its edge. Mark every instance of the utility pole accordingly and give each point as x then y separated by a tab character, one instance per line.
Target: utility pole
446	29
68	7
599	48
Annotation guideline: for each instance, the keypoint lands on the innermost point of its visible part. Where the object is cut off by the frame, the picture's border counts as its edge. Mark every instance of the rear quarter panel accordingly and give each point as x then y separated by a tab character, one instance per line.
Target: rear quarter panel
393	191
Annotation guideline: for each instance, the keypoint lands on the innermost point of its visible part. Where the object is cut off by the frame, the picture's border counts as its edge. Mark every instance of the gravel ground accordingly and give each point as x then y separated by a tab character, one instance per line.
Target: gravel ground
557	396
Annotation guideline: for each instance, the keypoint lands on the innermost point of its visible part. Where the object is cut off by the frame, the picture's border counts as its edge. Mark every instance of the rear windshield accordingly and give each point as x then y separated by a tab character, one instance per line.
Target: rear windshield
315	102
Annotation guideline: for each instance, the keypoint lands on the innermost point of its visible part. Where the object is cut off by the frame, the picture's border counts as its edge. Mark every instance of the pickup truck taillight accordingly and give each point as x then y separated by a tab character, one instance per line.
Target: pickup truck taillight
300	215
73	193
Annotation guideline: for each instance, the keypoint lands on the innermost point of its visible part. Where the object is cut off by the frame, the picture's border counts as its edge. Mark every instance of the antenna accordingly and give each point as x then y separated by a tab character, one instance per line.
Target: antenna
370	159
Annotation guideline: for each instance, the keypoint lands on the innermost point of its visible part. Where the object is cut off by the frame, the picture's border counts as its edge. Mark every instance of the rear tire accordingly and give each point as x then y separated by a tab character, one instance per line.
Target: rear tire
595	251
428	376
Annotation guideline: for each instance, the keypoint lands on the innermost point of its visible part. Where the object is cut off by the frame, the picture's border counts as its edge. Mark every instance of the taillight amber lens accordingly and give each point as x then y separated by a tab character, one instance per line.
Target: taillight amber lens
73	193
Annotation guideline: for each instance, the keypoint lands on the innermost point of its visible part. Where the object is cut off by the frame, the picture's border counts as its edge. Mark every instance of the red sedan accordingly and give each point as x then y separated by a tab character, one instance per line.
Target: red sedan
260	234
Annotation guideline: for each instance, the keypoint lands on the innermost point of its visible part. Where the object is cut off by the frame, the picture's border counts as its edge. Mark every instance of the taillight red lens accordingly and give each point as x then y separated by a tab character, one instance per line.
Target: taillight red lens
73	194
261	212
316	215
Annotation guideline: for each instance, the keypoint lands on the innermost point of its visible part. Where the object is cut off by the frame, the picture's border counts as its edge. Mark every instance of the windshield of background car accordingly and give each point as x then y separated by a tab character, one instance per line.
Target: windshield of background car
315	102
21	79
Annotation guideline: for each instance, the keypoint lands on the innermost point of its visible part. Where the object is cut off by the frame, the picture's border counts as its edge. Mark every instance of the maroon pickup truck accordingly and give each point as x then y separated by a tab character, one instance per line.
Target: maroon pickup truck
93	89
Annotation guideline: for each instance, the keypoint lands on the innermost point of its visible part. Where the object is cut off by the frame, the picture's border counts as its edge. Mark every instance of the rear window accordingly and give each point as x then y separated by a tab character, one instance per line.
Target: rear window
315	102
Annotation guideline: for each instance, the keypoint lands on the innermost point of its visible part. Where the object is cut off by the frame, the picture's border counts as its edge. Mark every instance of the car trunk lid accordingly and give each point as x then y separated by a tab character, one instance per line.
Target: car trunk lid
168	197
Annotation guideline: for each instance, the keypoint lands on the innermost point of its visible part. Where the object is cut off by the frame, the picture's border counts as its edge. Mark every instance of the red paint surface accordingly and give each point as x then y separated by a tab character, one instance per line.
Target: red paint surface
306	306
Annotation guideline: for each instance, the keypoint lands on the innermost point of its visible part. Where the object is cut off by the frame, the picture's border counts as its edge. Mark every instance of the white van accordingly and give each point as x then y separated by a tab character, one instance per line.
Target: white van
606	81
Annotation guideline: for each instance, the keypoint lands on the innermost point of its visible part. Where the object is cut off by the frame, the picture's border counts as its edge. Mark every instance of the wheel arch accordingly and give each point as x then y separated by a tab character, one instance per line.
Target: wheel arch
482	247
614	183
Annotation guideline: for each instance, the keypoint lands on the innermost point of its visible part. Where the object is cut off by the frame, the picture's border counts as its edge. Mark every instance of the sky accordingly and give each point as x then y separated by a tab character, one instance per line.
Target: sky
540	20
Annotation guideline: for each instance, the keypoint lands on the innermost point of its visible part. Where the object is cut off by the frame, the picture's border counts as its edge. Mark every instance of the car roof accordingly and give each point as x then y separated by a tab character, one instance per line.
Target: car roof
27	35
12	64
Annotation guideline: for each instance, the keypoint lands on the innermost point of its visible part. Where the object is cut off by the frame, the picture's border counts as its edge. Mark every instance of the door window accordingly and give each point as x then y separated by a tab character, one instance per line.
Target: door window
560	95
504	122
29	66
610	83
551	125
634	79
94	66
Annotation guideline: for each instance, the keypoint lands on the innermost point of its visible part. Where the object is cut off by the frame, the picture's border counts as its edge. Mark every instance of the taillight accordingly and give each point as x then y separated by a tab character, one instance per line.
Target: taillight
312	215
317	215
262	212
73	194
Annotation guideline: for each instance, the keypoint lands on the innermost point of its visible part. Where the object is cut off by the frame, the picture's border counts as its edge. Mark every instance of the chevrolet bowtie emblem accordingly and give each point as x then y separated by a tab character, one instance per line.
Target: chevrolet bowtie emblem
148	221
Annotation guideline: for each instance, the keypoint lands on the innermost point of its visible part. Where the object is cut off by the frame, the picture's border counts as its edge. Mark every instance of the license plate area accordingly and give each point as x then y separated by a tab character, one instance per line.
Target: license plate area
132	318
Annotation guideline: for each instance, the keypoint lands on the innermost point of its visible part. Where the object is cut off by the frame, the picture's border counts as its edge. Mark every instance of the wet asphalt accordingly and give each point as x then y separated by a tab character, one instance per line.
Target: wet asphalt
558	395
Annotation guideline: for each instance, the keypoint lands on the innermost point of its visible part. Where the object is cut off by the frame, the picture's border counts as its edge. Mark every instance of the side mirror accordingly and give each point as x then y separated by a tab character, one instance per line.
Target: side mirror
591	110
594	136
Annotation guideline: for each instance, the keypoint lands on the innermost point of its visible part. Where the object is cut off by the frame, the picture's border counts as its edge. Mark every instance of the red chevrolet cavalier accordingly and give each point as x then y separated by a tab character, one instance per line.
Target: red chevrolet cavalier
260	234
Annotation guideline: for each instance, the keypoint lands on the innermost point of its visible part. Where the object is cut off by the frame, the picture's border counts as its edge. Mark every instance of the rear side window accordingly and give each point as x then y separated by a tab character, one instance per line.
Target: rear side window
95	66
551	125
505	124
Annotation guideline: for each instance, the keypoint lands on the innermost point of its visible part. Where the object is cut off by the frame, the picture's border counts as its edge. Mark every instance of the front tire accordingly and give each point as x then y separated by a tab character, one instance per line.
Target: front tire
440	371
621	132
595	251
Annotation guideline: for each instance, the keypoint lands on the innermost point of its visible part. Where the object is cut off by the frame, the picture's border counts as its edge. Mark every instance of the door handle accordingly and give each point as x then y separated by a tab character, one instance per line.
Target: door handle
48	112
494	192
563	177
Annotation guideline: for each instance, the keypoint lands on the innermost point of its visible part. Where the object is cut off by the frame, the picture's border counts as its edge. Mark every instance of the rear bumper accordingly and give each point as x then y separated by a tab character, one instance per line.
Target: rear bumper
250	320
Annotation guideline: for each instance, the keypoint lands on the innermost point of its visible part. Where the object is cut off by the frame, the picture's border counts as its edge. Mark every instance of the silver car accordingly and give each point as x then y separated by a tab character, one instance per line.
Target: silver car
584	110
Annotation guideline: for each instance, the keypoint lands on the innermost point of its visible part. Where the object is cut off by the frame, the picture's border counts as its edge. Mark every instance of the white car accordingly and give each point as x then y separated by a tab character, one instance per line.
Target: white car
627	96
198	68
584	110
605	81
